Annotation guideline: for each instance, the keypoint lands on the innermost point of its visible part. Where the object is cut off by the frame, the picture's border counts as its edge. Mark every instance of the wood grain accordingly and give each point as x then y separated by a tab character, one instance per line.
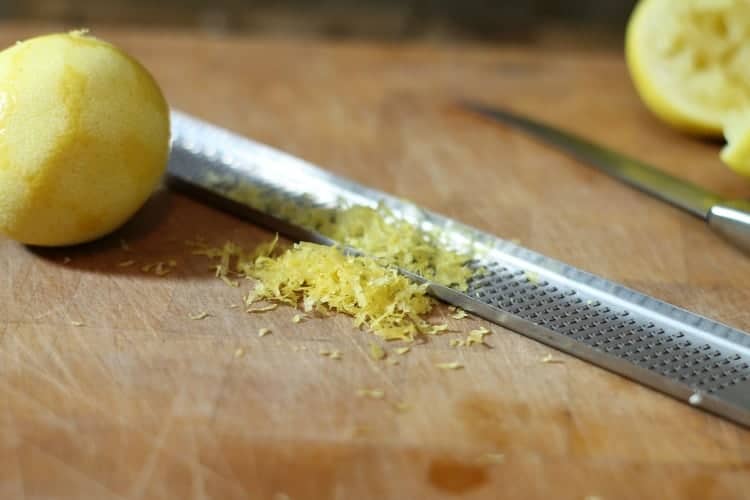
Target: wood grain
139	401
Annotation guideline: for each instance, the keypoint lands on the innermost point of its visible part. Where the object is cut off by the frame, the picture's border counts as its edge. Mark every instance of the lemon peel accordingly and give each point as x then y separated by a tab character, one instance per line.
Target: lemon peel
323	278
375	231
377	297
736	153
453	365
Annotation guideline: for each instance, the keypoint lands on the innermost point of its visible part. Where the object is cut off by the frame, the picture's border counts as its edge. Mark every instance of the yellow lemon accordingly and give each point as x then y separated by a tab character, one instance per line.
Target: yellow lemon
84	138
736	154
690	60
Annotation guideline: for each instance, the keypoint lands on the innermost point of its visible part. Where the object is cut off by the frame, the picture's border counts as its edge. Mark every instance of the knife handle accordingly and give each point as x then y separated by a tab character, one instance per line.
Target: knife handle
732	221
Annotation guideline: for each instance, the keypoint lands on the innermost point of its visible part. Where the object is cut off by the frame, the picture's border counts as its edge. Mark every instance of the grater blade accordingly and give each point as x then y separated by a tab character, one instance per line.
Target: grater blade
690	357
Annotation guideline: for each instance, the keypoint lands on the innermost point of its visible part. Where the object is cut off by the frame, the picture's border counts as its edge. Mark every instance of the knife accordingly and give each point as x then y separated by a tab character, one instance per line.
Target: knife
729	218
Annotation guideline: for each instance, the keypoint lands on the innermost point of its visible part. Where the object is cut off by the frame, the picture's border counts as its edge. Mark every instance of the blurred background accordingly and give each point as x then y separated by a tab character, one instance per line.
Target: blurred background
585	23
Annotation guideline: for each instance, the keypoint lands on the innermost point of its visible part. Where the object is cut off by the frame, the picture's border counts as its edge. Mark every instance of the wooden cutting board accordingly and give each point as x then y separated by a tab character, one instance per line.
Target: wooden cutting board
109	390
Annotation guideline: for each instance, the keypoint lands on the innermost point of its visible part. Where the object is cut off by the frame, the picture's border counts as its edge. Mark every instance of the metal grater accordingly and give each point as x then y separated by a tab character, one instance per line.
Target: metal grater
690	357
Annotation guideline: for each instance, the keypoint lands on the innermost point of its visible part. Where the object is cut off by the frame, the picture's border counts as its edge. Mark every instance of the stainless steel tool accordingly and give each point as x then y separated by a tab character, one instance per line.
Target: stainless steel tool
690	357
729	218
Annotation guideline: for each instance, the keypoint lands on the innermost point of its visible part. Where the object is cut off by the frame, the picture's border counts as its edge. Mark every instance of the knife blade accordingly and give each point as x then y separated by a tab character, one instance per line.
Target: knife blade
729	218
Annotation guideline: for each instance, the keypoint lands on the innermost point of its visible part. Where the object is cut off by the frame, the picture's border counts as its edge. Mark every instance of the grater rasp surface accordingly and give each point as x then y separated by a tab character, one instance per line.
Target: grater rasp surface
690	357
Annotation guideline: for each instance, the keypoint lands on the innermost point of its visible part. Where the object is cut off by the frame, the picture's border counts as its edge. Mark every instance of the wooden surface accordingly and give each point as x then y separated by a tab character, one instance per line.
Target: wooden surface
142	402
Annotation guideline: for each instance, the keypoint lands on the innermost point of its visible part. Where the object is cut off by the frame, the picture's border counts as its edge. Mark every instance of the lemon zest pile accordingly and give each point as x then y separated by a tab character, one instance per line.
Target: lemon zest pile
323	278
376	232
381	235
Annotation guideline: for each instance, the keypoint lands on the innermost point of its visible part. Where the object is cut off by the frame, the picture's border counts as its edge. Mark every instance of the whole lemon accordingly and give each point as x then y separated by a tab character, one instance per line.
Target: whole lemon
84	138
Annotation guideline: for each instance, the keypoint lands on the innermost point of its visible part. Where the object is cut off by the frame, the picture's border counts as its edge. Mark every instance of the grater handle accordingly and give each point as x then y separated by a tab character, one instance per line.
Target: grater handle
732	221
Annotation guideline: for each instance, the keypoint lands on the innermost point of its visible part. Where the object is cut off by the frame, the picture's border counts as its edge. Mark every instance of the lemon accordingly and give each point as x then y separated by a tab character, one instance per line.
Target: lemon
690	60
736	154
84	138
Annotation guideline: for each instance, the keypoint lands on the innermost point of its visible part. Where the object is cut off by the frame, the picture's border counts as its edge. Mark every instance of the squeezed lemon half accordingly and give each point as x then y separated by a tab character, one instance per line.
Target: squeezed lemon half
690	63
84	138
690	60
